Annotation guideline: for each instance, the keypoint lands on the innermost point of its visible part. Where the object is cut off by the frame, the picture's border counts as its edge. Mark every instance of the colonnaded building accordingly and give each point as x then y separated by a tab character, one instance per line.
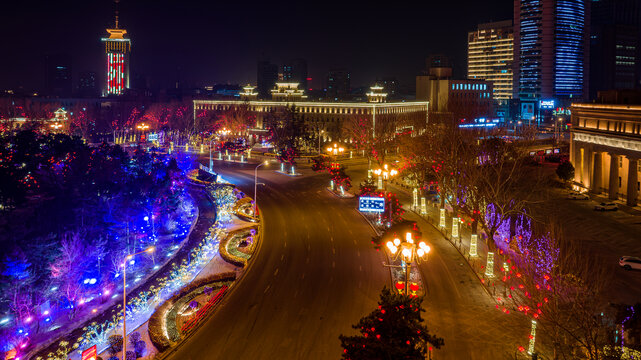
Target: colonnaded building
327	118
605	149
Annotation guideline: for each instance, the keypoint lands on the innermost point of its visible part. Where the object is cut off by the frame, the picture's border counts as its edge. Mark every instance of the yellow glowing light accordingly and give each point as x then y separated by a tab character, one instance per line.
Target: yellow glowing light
407	253
397	241
420	252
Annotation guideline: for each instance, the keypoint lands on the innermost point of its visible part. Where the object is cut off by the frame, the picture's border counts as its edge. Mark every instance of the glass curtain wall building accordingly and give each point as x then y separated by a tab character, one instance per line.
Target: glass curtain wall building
550	51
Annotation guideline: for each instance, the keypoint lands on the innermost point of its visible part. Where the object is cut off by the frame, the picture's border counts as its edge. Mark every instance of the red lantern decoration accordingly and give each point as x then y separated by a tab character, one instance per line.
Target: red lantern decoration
400	285
414	287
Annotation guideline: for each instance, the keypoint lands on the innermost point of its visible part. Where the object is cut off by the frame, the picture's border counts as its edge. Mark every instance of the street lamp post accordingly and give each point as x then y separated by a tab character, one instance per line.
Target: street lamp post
319	138
255	183
384	174
410	251
124	298
335	150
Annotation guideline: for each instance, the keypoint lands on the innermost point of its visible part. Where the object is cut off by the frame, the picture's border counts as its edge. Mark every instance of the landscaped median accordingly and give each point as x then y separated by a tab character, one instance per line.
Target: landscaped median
166	324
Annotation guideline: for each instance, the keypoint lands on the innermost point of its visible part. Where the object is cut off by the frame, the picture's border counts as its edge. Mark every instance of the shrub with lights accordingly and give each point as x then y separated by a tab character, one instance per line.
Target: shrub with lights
394	330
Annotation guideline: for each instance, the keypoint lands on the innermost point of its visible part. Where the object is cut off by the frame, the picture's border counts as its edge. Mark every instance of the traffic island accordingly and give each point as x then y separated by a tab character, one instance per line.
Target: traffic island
239	245
178	316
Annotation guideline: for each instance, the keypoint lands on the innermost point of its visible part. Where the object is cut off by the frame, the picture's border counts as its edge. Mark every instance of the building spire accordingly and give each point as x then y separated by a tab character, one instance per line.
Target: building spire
116	2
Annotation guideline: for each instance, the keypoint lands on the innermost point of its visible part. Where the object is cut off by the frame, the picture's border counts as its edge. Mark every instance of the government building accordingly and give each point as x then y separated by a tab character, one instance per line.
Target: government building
327	118
605	149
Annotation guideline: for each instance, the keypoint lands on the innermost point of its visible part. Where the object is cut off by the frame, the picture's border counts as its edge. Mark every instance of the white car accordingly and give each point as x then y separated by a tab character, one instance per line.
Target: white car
606	207
578	196
630	262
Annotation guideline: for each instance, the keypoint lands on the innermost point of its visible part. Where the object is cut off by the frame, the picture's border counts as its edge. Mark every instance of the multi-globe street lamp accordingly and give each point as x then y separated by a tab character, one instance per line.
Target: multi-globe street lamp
384	173
410	252
124	297
335	150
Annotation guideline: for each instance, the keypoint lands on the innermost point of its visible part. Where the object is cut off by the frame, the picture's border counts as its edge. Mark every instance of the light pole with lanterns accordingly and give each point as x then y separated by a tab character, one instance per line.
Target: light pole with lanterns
335	150
124	297
384	173
410	252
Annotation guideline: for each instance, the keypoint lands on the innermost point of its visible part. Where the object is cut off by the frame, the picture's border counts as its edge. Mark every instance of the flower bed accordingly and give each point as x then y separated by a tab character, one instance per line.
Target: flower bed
230	253
158	334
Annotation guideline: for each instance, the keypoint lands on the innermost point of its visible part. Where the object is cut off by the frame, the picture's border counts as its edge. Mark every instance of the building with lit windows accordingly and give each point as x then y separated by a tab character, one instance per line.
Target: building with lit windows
490	53
605	149
551	51
286	91
117	47
328	117
615	45
450	98
338	85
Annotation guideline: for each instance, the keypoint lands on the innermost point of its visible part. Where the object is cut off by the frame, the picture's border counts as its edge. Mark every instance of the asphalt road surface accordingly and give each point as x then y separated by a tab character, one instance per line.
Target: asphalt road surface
315	275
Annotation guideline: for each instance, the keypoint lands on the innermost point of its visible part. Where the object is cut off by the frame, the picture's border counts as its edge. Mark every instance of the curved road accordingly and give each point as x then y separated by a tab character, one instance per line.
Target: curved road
316	274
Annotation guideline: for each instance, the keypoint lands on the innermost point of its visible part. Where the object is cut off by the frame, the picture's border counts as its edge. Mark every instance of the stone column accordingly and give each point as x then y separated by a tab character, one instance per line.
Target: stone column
632	182
613	189
597	173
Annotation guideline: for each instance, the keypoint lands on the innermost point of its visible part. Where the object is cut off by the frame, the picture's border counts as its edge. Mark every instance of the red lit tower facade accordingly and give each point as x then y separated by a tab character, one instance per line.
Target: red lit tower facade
117	48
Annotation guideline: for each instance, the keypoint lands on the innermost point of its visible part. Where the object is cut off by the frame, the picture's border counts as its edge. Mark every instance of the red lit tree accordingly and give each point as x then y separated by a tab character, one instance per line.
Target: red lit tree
394	330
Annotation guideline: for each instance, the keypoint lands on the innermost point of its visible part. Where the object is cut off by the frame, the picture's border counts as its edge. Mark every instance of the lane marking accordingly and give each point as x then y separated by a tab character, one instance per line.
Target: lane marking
285	243
267	288
358	252
360	268
276	272
354	241
282	256
333	250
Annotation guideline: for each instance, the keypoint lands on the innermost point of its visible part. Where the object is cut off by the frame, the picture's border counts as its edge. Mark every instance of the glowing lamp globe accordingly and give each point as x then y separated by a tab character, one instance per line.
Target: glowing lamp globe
397	241
420	252
407	253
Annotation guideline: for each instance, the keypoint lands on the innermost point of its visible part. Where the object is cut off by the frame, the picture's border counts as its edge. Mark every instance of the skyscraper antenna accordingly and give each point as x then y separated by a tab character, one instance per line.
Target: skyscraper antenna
116	2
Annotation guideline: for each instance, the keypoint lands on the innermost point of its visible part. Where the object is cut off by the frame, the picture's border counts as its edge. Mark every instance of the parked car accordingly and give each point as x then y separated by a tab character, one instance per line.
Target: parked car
575	195
606	207
630	262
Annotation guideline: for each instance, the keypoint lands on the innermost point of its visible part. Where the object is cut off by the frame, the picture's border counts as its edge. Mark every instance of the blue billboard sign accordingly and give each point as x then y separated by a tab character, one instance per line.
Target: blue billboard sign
546	104
371	204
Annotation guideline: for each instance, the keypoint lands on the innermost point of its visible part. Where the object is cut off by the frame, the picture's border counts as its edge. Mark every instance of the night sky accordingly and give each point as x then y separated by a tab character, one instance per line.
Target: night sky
207	42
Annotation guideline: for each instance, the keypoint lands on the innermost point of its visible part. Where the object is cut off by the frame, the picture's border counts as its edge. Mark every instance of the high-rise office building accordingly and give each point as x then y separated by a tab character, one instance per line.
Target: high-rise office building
551	51
338	84
295	71
117	48
615	45
266	77
490	53
58	80
87	85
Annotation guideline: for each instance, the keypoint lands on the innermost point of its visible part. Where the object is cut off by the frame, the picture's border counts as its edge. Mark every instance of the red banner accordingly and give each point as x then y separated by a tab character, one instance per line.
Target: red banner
90	354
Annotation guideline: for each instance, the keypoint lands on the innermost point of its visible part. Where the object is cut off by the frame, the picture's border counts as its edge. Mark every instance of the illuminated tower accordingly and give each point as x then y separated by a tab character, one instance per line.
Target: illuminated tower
117	48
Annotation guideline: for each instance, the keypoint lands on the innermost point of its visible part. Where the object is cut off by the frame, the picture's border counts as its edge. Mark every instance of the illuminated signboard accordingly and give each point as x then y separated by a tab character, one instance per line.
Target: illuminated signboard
546	104
153	137
371	204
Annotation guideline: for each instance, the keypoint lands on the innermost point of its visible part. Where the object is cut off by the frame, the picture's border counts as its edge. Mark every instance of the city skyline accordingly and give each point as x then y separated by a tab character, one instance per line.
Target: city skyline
203	44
